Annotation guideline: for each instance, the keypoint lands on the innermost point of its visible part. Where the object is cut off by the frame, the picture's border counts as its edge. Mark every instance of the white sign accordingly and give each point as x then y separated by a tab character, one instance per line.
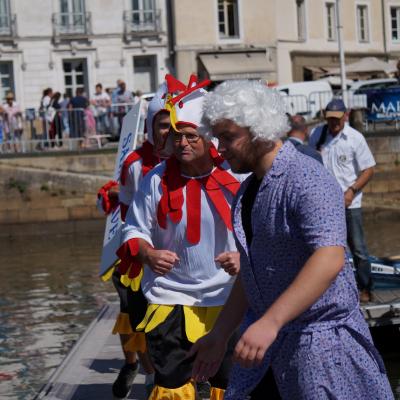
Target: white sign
127	142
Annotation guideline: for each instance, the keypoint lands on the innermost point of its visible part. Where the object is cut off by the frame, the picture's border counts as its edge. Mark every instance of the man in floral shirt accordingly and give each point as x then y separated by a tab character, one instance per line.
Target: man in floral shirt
296	297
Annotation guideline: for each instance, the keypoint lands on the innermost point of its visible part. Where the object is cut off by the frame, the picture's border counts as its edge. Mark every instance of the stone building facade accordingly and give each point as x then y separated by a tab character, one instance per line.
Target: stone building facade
279	40
65	44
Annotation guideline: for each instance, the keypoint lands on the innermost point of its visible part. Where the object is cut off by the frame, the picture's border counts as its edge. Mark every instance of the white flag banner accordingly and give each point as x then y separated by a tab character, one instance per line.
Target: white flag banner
127	142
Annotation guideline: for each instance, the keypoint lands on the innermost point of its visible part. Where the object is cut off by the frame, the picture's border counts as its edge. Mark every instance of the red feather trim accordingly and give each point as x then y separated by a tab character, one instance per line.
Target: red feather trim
216	195
172	199
108	204
127	254
173	84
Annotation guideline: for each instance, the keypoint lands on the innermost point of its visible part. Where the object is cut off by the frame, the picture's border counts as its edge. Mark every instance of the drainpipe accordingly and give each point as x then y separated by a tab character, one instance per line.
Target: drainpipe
170	7
341	49
384	30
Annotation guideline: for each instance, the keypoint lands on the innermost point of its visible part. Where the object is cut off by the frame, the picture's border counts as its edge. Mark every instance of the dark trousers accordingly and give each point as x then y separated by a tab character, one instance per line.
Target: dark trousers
267	388
358	248
168	347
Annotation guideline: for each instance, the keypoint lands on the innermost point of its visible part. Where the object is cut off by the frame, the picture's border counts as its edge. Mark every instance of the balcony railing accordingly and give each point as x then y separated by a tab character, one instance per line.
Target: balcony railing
71	24
8	26
142	22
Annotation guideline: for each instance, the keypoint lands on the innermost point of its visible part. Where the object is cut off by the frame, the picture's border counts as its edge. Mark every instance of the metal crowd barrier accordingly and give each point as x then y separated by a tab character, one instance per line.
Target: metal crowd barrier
67	129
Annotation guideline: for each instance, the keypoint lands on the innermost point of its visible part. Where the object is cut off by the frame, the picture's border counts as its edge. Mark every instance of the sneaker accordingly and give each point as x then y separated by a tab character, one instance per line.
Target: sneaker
123	384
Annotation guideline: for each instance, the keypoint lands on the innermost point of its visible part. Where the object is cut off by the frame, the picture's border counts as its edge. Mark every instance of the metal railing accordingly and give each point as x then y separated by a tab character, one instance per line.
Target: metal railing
312	107
142	21
64	129
71	24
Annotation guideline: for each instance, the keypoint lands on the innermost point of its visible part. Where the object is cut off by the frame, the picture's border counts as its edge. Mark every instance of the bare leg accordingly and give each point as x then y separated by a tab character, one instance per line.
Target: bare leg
130	356
146	363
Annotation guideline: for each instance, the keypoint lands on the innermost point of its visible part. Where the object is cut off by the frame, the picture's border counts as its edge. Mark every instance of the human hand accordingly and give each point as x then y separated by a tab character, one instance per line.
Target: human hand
230	262
160	261
210	351
348	197
254	343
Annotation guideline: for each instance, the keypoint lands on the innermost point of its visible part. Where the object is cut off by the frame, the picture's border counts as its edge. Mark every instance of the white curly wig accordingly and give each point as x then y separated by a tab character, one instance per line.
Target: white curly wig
249	104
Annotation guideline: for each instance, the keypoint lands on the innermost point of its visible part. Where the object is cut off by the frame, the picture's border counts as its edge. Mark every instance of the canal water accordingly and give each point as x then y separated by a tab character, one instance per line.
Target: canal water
50	292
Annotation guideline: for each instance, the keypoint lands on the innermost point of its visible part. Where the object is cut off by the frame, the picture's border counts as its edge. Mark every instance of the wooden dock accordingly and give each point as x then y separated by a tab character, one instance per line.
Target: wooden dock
90	368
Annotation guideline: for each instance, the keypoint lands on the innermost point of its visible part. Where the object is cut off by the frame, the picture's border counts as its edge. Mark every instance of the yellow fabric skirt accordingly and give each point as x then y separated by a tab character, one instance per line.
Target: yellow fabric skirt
134	283
198	320
185	392
137	340
107	276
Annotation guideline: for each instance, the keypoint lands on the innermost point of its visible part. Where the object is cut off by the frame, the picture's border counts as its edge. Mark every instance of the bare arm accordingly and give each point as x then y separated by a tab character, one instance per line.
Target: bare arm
312	281
233	311
211	348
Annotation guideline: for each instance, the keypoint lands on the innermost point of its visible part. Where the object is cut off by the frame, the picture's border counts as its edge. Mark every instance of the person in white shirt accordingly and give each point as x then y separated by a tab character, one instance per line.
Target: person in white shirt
179	227
346	155
101	101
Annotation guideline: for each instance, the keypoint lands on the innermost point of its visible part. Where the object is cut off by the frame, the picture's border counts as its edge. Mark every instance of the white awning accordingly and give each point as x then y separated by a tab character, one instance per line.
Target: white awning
244	65
365	65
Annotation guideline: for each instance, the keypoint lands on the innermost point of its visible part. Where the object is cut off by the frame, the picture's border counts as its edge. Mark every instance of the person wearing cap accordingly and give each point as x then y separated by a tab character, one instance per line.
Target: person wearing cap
295	298
179	228
346	155
135	166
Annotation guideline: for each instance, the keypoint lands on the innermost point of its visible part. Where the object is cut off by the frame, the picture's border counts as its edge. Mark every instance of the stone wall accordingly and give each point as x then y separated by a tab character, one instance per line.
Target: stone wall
59	187
34	195
96	162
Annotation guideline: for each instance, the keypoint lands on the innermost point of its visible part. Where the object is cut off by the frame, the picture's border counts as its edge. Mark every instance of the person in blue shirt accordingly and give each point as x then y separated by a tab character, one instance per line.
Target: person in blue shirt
298	135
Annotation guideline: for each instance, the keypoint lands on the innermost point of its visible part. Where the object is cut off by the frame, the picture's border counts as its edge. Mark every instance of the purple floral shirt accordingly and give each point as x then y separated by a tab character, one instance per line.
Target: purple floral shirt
327	351
298	209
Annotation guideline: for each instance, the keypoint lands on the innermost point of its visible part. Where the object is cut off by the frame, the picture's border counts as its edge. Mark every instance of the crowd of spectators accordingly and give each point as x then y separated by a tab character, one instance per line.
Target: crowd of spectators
61	116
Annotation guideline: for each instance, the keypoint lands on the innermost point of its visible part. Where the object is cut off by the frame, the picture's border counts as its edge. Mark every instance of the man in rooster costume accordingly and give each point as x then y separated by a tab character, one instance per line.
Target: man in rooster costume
136	165
179	228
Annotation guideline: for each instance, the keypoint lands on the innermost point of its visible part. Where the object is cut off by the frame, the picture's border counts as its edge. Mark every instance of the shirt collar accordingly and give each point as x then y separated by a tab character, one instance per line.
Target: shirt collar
284	155
295	139
342	133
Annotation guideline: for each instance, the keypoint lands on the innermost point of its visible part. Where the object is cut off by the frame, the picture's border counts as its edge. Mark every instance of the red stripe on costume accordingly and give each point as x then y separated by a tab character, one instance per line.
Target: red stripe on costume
162	209
172	199
226	180
193	210
175	184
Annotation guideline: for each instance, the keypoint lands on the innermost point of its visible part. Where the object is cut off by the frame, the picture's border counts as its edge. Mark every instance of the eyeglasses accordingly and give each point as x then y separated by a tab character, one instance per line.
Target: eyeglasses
190	137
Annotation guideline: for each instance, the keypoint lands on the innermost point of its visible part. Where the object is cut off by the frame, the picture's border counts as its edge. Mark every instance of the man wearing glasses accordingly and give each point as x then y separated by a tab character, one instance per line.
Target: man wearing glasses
179	227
